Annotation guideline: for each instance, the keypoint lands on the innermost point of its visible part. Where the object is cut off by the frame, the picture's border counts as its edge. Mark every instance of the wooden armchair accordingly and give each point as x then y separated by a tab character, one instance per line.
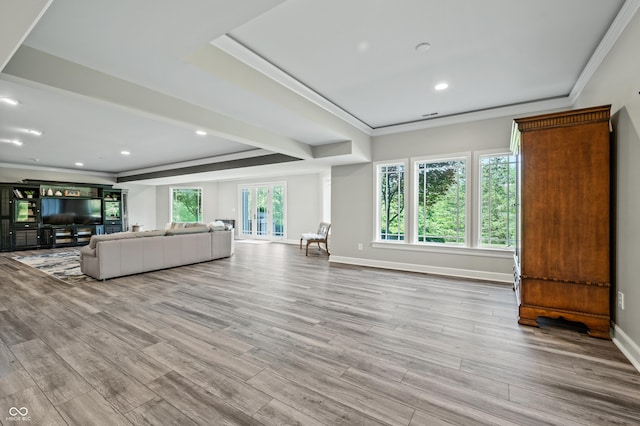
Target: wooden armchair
322	236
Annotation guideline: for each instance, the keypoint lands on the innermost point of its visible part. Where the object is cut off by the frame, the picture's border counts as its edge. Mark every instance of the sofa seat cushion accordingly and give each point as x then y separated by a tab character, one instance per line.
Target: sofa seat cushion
312	236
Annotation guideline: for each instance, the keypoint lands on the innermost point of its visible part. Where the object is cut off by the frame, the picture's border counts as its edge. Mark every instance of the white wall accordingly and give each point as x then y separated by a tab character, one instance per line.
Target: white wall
220	201
141	205
617	82
353	203
304	201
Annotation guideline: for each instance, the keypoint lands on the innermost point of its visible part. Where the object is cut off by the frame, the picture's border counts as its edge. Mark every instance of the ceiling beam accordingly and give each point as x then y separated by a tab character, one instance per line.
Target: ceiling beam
243	73
210	167
34	66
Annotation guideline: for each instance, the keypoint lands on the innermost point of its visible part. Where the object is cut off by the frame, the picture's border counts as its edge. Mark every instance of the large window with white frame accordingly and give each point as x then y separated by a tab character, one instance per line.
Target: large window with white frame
440	198
497	200
186	204
430	202
390	210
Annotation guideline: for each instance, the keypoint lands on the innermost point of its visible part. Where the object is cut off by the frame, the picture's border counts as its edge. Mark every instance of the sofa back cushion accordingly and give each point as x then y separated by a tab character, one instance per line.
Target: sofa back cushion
179	225
95	239
154	233
190	230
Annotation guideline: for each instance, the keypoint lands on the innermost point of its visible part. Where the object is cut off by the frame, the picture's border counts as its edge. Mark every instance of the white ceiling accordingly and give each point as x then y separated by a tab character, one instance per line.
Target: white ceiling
100	77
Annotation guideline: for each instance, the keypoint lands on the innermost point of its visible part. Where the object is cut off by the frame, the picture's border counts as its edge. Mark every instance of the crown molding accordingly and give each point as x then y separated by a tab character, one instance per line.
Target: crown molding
504	111
241	52
57	170
624	16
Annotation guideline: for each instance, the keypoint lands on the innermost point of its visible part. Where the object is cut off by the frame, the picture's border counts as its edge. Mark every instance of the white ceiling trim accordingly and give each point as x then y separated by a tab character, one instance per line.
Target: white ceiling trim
57	170
260	64
511	110
626	13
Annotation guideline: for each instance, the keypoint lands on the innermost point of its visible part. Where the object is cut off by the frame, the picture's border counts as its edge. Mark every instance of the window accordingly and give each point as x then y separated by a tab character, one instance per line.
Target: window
186	204
391	202
441	201
277	209
498	199
263	210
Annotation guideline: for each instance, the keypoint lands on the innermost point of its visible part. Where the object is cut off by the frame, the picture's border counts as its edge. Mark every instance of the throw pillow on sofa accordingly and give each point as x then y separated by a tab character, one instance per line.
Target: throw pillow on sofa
218	225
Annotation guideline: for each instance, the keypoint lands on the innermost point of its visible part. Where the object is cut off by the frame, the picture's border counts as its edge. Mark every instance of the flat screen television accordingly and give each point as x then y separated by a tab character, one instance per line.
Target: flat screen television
69	211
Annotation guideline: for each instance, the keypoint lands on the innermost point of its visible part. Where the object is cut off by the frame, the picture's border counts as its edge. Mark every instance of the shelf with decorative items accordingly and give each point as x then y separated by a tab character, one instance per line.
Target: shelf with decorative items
47	190
25	218
112	211
47	214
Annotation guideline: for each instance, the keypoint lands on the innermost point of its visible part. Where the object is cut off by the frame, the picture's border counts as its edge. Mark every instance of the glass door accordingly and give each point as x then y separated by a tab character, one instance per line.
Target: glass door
263	211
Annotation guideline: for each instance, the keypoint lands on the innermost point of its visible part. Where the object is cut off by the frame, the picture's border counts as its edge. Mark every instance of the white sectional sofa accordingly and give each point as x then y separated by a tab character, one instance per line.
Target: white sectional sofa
127	253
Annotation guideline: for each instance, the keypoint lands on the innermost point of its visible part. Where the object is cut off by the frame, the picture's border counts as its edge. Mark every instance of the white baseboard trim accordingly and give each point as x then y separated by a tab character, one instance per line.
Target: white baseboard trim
628	347
426	269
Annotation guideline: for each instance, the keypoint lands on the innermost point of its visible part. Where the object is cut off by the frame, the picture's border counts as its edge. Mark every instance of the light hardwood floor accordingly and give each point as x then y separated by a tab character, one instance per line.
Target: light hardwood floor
272	337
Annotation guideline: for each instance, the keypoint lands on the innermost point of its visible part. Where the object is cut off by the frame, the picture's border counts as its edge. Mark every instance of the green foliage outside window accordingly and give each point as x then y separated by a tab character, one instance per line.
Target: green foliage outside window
186	205
442	201
277	211
391	208
498	191
441	197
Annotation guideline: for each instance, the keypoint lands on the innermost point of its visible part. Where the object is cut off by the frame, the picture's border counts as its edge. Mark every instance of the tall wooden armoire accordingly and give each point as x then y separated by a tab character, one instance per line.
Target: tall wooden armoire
563	249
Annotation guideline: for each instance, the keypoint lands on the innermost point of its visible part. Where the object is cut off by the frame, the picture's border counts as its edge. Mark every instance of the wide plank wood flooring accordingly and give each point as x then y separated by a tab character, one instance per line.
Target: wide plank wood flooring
272	337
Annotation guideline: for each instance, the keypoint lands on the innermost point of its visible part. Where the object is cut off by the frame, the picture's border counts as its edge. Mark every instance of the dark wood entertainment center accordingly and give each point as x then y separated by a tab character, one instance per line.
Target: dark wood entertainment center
47	214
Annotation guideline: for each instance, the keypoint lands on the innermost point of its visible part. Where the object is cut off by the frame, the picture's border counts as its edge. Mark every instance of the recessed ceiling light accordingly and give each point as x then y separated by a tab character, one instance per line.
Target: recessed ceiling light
9	101
201	133
363	46
423	47
441	86
79	164
125	153
33	132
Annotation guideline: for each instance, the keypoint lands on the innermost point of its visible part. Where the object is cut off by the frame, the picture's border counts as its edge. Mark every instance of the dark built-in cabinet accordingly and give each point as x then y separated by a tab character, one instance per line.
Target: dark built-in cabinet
563	261
43	214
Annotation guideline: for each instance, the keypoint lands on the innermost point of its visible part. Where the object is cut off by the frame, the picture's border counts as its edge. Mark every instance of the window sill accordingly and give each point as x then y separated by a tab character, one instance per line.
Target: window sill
436	248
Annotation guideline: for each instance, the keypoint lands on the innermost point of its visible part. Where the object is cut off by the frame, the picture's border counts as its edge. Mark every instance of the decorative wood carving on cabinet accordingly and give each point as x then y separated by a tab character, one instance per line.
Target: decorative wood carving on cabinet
564	246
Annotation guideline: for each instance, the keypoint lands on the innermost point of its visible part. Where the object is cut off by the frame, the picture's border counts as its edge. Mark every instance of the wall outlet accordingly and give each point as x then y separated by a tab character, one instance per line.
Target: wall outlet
359	246
621	300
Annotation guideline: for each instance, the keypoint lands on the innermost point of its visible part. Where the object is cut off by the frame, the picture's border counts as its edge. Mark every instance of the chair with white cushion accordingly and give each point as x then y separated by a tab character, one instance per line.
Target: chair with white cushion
322	236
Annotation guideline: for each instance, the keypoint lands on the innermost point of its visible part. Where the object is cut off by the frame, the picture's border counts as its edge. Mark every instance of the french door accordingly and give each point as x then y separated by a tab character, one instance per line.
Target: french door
263	211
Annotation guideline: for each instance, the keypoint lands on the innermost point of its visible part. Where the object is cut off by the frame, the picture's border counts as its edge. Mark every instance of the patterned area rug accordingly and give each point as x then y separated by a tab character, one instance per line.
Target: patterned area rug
64	265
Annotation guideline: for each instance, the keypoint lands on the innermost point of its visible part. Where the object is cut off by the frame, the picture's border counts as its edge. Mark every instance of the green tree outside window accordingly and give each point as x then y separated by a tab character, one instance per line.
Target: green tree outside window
186	205
498	198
